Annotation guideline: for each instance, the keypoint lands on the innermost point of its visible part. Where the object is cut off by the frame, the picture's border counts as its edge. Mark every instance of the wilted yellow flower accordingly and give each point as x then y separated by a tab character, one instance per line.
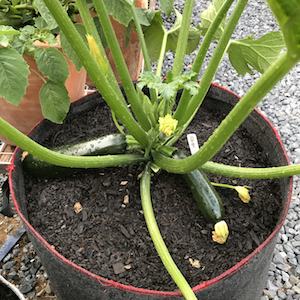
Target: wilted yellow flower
243	193
167	124
96	53
221	232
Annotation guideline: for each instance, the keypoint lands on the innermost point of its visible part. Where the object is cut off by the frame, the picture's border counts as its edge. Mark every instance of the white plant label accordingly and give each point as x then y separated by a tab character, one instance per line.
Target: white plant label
193	142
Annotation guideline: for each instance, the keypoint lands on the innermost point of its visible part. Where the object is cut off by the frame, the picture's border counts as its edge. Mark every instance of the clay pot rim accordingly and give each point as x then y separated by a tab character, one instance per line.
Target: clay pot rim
129	288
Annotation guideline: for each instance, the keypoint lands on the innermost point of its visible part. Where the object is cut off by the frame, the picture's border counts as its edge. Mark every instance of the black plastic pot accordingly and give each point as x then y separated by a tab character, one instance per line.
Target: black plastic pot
244	281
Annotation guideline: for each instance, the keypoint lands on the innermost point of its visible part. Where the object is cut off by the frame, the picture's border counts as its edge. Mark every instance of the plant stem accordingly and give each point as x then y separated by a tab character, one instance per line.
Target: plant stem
251	173
232	121
120	64
183	37
157	239
183	103
39	75
97	75
209	74
91	29
142	41
223	185
162	54
58	159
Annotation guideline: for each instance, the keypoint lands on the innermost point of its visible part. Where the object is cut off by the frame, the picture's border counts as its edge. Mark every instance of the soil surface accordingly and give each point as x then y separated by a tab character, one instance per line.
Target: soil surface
108	235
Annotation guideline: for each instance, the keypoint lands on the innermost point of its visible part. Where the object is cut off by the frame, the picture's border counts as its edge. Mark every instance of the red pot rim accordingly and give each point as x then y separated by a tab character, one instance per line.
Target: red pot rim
129	288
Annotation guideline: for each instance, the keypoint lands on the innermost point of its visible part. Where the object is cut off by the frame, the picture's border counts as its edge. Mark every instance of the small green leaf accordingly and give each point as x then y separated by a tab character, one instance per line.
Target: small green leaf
54	101
248	54
45	13
14	73
145	16
208	16
67	48
149	79
166	6
287	13
7	34
52	64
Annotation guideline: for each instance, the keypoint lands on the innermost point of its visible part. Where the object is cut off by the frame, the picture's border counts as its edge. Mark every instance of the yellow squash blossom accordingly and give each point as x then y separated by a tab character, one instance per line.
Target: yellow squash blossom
221	232
243	193
167	125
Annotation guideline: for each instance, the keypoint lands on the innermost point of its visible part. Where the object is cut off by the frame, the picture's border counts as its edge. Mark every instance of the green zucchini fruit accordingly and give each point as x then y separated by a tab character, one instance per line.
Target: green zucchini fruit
208	200
109	144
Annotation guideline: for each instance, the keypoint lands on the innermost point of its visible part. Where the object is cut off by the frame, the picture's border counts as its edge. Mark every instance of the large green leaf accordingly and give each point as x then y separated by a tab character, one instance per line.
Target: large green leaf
248	54
154	35
52	64
54	101
166	6
119	10
287	13
67	48
14	73
45	13
208	16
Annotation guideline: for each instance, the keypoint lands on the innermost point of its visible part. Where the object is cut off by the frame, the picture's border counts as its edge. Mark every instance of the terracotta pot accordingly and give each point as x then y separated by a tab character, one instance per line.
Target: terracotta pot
243	281
130	47
26	115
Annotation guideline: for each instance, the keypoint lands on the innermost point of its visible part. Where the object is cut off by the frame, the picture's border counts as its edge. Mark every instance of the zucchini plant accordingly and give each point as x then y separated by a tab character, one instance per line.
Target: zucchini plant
150	124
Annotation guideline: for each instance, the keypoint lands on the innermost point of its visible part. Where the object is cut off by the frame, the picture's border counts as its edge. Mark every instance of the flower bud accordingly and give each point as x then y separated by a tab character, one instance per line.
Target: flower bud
221	232
167	125
243	193
96	53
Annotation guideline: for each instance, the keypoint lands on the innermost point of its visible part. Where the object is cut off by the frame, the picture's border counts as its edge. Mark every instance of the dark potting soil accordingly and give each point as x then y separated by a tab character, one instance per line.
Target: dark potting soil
6	293
109	236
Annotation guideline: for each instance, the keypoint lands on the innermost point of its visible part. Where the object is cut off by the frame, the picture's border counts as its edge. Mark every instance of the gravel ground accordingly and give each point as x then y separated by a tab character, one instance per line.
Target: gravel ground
283	108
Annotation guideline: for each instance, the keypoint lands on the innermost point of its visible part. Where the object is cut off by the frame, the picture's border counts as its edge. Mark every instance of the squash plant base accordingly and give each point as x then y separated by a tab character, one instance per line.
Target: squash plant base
109	236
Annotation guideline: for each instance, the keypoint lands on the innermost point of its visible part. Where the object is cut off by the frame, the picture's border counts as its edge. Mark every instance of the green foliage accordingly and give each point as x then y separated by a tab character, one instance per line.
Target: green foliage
13	75
67	48
168	90
54	101
7	34
155	33
287	13
16	13
52	64
248	54
120	10
209	15
166	6
45	13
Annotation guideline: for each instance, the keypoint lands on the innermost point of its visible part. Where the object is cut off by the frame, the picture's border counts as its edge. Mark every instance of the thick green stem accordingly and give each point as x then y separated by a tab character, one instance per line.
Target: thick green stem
212	67
183	103
158	241
233	120
183	37
97	75
58	159
162	54
91	29
251	173
132	95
